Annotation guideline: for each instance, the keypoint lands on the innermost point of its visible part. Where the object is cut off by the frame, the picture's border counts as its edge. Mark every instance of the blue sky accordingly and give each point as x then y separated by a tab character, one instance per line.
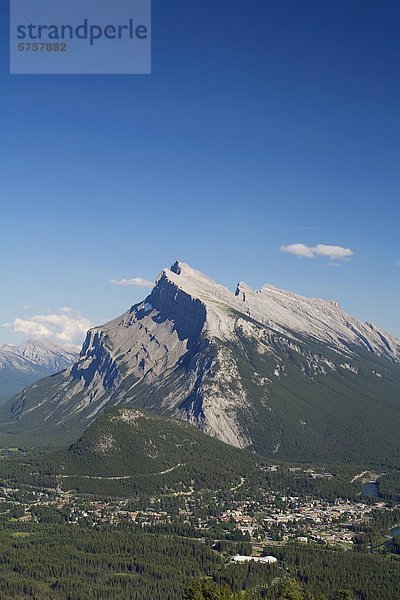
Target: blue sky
264	124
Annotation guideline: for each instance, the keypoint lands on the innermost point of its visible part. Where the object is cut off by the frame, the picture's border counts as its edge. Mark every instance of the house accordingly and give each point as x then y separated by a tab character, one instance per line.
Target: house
269	560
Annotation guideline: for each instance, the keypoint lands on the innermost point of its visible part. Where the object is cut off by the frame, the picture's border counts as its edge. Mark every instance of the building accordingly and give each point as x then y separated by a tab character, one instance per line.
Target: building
269	560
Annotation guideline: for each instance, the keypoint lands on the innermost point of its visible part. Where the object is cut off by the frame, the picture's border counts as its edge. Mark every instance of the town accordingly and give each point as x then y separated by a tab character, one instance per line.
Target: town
273	519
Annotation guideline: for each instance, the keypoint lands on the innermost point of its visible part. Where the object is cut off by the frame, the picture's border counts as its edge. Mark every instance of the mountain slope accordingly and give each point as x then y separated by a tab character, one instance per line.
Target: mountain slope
21	366
270	370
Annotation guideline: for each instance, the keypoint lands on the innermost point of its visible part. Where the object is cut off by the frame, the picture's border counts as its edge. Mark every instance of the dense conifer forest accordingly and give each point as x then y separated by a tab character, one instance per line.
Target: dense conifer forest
46	561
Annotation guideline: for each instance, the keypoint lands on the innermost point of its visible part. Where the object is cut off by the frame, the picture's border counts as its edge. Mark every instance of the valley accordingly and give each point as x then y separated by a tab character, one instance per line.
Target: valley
300	515
210	424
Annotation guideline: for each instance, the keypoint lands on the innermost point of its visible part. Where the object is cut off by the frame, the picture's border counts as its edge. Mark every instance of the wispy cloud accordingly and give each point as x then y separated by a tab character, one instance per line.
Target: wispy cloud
301	227
134	281
304	251
29	306
397	263
62	327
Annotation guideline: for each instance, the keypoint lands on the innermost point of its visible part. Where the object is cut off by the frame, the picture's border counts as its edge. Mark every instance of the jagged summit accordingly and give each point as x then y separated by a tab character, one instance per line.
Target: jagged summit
279	309
195	284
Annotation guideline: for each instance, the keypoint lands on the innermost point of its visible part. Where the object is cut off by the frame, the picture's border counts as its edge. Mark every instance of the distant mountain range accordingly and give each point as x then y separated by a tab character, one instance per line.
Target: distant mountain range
269	370
21	366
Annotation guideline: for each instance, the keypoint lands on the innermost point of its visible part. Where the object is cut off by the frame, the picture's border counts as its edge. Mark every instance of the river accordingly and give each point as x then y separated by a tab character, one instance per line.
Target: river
370	489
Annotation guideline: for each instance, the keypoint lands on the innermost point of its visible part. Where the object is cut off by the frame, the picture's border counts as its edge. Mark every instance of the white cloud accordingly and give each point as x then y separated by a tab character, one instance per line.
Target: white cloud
397	263
134	281
298	250
66	309
333	252
64	328
304	251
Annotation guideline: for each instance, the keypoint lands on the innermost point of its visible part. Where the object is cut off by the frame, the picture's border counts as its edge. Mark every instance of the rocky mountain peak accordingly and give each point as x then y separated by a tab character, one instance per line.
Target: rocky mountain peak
44	350
24	364
225	361
279	309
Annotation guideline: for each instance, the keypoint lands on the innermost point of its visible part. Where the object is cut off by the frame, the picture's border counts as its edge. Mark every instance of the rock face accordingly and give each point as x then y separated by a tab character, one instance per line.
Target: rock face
267	369
22	365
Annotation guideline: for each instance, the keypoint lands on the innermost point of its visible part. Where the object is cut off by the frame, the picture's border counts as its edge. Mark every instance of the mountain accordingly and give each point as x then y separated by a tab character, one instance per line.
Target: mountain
127	452
20	366
286	376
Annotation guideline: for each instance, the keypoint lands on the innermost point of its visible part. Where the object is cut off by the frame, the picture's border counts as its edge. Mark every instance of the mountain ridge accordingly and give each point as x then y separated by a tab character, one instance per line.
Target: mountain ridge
34	359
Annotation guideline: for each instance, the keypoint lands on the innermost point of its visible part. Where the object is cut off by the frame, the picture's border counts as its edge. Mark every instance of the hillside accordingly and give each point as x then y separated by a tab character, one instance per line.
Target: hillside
128	452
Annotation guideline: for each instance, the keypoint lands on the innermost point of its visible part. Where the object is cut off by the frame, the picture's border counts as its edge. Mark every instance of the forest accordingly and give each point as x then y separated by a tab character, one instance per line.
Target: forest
48	560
